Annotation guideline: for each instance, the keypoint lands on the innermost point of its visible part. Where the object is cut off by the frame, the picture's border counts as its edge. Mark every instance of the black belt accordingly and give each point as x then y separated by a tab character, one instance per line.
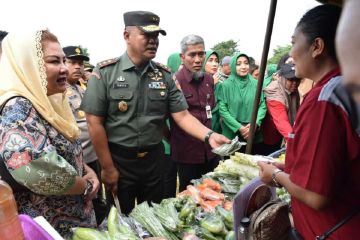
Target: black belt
132	152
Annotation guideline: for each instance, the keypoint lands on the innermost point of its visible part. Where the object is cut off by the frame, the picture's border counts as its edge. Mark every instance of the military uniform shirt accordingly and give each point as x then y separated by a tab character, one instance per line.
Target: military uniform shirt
133	102
75	94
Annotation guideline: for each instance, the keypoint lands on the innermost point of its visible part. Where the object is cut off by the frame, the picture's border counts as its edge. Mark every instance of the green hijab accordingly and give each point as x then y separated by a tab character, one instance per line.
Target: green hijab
243	81
270	70
174	62
208	54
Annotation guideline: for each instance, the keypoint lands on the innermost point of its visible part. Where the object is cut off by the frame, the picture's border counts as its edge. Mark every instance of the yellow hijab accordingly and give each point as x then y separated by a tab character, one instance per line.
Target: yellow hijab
22	73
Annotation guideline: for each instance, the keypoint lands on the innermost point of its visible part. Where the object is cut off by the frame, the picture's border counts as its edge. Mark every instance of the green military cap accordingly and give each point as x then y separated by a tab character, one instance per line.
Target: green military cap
146	21
75	52
88	66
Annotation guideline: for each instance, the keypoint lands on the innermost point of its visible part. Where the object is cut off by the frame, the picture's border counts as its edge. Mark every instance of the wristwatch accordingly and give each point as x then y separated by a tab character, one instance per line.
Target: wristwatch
273	177
88	188
207	136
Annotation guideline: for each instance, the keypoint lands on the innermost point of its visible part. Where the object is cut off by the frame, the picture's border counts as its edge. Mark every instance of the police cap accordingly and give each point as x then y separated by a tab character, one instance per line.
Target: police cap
75	52
146	21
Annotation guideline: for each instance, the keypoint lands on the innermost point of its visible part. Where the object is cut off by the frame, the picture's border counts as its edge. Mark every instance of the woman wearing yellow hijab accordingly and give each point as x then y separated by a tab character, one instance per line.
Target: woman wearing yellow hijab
40	155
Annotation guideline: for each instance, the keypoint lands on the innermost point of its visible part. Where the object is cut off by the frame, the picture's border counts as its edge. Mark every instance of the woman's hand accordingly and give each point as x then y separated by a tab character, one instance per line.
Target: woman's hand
91	176
244	131
265	171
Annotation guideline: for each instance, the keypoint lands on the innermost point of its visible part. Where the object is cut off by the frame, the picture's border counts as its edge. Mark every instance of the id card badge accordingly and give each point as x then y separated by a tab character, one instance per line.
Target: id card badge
208	111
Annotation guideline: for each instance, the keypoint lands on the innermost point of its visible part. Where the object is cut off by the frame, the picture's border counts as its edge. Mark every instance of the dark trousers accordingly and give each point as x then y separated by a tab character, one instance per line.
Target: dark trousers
101	207
170	175
187	172
141	178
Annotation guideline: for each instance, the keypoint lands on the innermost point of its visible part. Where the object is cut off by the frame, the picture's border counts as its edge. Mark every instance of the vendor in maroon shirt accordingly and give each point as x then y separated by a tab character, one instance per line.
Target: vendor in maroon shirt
322	162
193	157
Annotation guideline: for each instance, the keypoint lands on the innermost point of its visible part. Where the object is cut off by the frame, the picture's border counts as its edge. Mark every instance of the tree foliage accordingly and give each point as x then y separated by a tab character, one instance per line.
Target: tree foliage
278	52
85	50
225	48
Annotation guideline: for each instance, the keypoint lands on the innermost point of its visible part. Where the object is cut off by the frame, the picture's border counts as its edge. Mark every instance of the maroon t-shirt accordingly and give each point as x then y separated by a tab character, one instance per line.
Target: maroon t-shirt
198	94
323	156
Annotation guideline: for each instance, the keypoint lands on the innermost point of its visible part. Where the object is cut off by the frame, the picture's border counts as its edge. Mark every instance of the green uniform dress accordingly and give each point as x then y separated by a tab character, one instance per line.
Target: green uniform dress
134	103
236	102
215	121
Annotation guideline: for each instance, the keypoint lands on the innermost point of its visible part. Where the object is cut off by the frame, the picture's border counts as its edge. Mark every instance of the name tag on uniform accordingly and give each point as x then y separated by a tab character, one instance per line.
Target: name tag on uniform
157	85
291	135
120	85
208	111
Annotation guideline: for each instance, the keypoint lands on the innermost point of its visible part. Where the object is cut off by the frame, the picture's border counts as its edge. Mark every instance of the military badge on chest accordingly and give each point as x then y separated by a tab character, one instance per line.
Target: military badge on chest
120	83
156	75
123	106
80	114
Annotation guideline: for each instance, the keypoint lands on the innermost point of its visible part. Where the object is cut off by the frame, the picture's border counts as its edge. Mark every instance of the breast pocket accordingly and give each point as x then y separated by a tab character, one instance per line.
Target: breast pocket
120	100
158	101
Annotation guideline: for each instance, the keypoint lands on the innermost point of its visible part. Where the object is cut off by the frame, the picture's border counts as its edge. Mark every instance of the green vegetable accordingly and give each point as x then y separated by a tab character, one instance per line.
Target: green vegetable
229	226
235	169
230	235
205	234
186	209
146	217
166	215
213	223
88	234
119	230
226	215
190	218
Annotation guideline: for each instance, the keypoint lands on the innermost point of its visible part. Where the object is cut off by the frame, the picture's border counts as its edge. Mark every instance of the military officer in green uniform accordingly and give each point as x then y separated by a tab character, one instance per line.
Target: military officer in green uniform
126	104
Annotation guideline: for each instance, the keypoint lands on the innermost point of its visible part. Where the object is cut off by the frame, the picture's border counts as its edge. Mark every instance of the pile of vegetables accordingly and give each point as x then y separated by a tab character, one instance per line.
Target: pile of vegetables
207	194
117	229
202	211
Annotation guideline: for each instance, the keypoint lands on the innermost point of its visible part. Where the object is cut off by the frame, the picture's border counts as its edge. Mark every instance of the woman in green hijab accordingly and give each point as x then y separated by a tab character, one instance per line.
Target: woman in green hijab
236	101
211	65
174	62
270	70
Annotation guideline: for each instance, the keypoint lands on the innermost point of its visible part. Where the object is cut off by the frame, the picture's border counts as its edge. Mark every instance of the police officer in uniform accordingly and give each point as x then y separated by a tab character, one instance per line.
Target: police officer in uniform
75	58
126	105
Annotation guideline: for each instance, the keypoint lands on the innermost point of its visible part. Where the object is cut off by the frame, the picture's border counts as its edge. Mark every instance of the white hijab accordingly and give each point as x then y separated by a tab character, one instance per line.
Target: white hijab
23	73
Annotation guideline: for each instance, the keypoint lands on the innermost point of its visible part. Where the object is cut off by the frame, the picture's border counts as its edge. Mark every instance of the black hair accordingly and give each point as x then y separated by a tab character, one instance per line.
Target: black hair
2	35
251	60
321	22
282	60
253	67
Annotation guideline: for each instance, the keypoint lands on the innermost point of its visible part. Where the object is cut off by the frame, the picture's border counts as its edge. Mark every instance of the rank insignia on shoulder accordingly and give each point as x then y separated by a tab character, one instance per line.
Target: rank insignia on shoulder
107	62
96	75
162	66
